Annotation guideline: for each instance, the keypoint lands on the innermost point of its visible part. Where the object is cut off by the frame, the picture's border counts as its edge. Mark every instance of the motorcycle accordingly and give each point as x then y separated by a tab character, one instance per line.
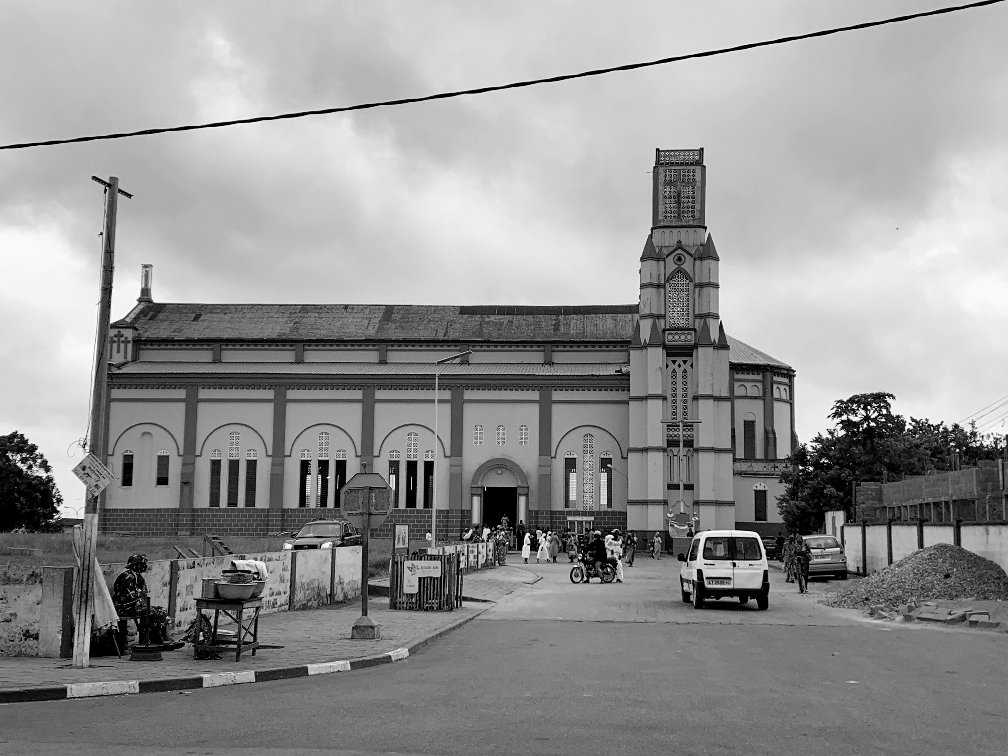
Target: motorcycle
585	570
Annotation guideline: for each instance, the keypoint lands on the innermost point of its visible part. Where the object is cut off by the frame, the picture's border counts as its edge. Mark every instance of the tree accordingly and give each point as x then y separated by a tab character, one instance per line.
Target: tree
870	443
28	494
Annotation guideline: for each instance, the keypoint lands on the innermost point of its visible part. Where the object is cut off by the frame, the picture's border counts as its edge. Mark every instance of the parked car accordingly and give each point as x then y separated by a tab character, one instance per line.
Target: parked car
724	563
324	534
828	556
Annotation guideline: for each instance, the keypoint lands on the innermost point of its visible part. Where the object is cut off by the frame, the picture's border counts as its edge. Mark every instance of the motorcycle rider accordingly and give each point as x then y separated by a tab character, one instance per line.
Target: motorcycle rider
595	555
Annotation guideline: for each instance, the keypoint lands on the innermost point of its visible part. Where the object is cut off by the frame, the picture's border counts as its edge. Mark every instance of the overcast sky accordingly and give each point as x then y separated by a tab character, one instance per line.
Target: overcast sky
857	184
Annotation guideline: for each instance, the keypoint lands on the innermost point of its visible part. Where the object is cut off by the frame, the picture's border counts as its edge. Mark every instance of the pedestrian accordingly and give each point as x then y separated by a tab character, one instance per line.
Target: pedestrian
554	546
501	546
617	550
526	547
520	531
789	554
779	545
630	548
656	546
802	557
486	532
132	599
542	552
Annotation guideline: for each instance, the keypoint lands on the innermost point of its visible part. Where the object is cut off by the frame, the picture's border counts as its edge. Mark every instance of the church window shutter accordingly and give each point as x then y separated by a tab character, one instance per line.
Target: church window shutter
523	435
501	435
478	435
679	310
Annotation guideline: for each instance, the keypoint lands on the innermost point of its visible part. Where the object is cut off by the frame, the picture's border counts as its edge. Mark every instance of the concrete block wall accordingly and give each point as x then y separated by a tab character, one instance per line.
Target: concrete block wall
989	540
297	580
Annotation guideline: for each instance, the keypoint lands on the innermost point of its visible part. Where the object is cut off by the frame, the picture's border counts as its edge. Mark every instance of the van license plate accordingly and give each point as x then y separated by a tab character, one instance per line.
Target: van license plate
718	581
823	558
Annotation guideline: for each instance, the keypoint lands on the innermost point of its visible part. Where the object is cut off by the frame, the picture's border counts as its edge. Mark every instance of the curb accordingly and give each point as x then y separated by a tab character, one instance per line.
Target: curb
219	679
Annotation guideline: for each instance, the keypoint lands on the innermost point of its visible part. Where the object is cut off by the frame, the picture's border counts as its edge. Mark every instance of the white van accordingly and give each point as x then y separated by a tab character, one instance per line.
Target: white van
725	563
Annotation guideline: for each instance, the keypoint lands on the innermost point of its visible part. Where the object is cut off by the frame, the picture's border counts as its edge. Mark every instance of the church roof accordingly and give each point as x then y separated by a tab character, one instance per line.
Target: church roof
369	322
372	369
185	322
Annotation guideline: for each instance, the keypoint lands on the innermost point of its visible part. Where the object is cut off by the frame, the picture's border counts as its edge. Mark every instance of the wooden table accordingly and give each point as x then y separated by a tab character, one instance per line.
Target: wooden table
247	635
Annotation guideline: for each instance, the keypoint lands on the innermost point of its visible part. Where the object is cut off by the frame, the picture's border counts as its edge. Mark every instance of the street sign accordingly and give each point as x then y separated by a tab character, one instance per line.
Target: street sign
358	502
93	474
413	570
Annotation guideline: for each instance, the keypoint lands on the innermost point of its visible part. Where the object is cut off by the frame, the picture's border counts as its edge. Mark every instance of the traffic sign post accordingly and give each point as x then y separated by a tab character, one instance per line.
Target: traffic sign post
366	501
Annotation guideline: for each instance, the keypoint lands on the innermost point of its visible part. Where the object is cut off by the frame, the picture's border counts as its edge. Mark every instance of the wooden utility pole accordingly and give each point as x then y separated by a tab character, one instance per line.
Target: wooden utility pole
84	590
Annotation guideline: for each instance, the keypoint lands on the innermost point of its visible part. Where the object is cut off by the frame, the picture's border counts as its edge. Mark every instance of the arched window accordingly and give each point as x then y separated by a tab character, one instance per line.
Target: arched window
679	310
570	480
234	445
322	469
215	477
478	435
588	472
679	397
523	435
393	475
126	479
605	478
429	455
340	454
304	478
501	435
251	465
411	445
162	468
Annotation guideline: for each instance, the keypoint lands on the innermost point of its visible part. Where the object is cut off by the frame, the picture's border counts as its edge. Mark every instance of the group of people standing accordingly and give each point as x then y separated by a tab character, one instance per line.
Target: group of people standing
499	538
546	545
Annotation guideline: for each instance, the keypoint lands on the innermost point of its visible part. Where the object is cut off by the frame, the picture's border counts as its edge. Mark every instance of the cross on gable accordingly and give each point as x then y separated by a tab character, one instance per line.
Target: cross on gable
121	342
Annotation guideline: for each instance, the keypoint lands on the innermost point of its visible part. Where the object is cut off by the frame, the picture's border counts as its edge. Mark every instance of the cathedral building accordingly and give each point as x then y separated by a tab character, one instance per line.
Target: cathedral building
247	419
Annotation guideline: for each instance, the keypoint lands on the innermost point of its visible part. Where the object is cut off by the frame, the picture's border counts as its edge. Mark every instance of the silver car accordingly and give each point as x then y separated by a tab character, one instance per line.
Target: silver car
828	556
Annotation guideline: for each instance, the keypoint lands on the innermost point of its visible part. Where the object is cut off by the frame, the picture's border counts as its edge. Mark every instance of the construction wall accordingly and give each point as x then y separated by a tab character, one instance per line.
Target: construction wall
989	540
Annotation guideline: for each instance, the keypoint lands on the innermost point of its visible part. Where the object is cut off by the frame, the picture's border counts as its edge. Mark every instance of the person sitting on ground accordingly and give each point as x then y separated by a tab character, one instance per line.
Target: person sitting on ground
132	599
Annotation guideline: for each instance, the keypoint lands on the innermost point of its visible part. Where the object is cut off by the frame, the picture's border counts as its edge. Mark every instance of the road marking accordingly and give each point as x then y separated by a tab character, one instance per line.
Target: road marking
110	688
217	679
853	682
324	668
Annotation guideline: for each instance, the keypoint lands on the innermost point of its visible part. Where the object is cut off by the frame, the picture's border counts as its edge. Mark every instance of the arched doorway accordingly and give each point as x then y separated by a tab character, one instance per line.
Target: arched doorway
499	488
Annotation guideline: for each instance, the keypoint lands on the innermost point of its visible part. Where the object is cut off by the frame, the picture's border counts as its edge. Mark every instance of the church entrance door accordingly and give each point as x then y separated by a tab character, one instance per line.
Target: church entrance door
499	501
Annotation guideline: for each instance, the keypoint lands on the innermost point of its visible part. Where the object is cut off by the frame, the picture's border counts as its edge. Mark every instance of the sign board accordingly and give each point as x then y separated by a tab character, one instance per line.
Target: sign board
401	541
357	502
413	570
93	474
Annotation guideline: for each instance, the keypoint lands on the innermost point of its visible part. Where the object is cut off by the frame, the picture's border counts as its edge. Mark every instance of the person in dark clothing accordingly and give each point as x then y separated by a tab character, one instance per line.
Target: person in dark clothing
803	555
779	545
132	599
597	553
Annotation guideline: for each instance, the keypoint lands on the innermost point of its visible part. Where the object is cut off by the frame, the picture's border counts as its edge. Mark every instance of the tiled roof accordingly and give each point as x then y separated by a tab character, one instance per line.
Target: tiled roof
357	322
741	353
238	322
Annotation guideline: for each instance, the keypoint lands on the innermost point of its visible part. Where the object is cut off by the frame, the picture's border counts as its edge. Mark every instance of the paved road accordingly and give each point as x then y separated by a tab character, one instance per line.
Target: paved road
558	668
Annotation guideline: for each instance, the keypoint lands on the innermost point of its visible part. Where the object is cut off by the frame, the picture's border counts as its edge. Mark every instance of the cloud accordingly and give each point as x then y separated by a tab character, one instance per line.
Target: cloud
816	152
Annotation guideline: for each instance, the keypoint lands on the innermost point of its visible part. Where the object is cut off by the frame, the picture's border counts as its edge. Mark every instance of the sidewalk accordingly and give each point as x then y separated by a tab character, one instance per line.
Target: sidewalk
312	642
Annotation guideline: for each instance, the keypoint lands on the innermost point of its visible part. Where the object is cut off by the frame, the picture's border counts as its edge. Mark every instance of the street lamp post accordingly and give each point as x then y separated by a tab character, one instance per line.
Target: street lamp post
433	512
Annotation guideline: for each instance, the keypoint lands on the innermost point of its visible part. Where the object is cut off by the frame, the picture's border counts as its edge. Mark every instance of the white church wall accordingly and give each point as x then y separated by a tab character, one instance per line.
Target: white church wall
615	356
145	439
746	409
212	415
491	356
196	354
745	500
510	409
782	425
257	355
312	412
340	355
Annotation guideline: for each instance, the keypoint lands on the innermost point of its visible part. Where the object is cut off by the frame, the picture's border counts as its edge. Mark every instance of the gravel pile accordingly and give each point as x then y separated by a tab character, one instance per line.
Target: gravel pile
942	571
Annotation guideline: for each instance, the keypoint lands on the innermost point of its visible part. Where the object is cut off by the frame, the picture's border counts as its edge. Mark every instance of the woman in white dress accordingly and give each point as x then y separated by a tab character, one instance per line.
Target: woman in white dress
543	552
527	547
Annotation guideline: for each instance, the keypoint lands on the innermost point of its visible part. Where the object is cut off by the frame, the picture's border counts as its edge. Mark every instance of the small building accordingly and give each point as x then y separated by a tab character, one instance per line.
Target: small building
247	419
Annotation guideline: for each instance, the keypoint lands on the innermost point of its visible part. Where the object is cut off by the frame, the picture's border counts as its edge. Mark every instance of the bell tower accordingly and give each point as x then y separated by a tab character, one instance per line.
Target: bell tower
680	459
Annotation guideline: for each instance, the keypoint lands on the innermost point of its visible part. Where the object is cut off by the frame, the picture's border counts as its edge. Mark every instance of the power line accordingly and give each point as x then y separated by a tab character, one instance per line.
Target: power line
988	425
977	413
512	85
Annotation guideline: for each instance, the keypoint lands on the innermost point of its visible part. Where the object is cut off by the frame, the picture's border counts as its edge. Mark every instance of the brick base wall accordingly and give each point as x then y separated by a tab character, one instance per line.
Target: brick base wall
259	522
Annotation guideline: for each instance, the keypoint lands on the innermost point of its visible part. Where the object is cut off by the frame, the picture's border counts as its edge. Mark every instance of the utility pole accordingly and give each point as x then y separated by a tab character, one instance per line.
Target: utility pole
84	593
